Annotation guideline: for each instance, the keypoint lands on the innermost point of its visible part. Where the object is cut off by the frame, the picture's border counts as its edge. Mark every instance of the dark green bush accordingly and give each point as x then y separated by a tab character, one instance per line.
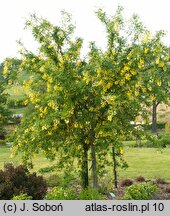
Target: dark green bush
160	126
90	194
59	193
143	191
164	139
17	180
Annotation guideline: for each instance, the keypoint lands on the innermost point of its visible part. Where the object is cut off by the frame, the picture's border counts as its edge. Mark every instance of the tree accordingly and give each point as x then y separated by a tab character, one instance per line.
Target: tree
10	69
154	80
4	112
81	105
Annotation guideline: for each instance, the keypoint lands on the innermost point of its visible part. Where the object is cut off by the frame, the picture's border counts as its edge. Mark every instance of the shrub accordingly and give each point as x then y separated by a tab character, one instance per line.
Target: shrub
160	125
22	197
54	180
143	191
140	179
126	182
90	194
158	142
67	179
2	142
17	180
59	193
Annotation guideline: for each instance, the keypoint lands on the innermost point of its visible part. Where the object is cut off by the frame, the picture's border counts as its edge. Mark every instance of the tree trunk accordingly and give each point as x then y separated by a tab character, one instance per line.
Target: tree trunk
84	168
154	117
94	167
114	167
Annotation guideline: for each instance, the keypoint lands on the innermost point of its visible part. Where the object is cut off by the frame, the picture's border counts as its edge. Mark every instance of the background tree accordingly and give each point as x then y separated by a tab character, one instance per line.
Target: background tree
4	112
154	80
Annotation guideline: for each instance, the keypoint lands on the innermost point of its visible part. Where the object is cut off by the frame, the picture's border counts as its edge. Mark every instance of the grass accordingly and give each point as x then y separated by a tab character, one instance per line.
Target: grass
38	162
19	110
16	92
148	162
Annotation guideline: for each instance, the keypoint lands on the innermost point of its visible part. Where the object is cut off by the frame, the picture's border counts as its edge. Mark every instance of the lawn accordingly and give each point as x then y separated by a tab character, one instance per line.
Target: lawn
5	157
148	162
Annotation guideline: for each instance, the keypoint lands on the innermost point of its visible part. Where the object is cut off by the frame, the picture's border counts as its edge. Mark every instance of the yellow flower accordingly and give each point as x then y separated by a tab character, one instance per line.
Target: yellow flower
9	82
152	97
121	151
78	63
146	50
100	133
141	63
129	93
143	90
110	117
126	68
137	85
76	125
49	133
133	72
58	88
26	131
127	76
122	82
157	61
161	64
50	80
91	109
150	88
159	83
44	127
51	104
136	93
48	87
108	85
45	76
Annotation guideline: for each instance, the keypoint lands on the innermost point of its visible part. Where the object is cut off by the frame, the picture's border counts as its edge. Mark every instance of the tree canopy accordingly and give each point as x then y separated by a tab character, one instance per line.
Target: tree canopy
84	105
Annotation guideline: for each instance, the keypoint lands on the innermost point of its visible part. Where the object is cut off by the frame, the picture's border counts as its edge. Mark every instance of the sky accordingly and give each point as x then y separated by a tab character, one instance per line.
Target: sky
13	14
